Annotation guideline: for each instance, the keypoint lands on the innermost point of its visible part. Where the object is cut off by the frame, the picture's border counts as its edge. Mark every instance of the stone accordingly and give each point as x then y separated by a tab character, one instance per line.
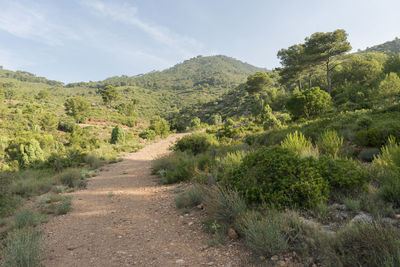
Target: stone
232	234
275	258
388	220
338	206
362	217
180	261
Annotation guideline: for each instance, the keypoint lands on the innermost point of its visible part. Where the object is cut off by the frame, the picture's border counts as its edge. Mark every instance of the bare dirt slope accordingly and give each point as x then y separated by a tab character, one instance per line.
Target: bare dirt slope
125	218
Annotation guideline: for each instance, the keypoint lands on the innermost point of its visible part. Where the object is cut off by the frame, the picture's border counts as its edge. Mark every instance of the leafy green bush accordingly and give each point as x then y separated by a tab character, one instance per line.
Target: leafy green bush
117	135
300	145
27	152
280	178
310	102
342	174
195	124
159	126
23	249
196	143
216	119
148	134
390	156
64	206
330	143
66	124
224	205
175	167
368	244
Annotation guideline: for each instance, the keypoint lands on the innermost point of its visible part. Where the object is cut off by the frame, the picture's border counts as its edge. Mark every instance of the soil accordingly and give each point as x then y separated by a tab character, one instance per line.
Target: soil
126	218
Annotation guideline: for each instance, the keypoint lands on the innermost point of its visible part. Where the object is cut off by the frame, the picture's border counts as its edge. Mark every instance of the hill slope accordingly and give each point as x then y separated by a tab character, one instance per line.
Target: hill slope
389	47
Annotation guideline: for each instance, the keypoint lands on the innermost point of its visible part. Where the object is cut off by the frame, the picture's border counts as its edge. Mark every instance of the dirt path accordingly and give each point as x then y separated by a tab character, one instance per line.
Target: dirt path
125	218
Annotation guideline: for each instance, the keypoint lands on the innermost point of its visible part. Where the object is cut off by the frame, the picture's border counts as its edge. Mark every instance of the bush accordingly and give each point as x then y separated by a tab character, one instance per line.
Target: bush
216	119
23	249
159	126
264	235
64	206
175	167
299	144
390	156
223	205
117	135
229	164
27	218
71	178
309	103
280	178
330	143
148	134
364	244
27	152
369	154
93	161
66	124
342	174
196	143
364	122
195	124
190	198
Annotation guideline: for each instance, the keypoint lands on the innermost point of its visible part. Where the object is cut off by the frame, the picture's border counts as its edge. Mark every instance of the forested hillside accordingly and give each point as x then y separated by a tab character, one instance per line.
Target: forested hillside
389	47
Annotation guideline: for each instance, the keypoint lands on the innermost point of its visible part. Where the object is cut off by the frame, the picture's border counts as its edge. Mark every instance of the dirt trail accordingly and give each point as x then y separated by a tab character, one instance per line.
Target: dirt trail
124	218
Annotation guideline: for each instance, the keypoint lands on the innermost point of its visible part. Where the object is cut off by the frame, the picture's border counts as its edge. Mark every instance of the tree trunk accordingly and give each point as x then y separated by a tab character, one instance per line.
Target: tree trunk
309	81
299	84
328	76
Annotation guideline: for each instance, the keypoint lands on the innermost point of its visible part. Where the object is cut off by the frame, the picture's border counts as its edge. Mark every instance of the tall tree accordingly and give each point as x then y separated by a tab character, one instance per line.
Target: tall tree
109	94
321	48
257	82
292	60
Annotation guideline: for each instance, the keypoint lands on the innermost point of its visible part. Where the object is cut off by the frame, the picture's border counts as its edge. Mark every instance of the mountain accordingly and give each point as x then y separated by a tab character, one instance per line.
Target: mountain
194	81
388	48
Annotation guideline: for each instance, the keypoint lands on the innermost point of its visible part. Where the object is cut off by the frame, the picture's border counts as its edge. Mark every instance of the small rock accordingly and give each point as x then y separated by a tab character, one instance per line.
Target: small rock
180	261
201	206
275	258
232	234
362	217
190	223
281	263
339	206
388	220
397	216
210	263
262	258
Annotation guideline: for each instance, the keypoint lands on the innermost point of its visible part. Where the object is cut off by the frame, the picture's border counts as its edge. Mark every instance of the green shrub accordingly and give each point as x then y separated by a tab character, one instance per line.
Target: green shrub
309	103
299	144
342	174
27	218
216	119
23	249
265	236
190	198
352	204
196	143
71	178
369	154
390	156
27	152
195	124
66	124
223	205
64	206
117	135
330	143
93	161
280	178
159	126
148	134
364	244
364	122
30	182
361	138
175	167
229	164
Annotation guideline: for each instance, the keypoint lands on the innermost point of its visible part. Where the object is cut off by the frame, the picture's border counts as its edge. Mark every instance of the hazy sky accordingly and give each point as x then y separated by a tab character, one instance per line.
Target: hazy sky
81	40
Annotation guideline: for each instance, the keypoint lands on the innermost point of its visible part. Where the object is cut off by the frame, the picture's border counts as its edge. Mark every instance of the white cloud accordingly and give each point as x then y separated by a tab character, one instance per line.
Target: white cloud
31	22
127	14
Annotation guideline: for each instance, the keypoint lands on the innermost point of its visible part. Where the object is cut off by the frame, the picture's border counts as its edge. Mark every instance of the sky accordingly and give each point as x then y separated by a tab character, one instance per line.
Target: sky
82	40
